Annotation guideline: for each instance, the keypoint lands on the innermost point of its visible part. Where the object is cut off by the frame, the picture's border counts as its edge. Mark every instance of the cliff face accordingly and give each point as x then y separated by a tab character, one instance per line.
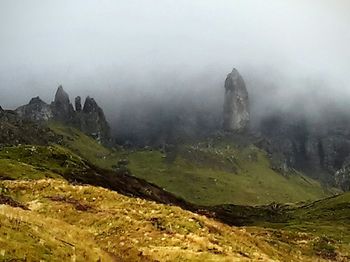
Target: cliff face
236	105
321	149
91	120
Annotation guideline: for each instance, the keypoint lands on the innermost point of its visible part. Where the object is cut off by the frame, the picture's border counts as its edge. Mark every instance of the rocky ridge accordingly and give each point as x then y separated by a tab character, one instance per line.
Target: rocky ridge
90	119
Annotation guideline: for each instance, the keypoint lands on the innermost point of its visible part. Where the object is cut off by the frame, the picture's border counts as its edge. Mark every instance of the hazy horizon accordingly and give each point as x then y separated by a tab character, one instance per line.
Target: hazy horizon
124	52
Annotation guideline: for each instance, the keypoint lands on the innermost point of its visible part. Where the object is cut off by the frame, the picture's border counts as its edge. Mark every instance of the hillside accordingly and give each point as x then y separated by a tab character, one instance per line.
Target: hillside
225	170
106	226
47	191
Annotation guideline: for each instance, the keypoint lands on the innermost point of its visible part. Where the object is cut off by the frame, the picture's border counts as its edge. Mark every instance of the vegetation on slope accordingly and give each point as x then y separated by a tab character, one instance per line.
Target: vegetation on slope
35	162
86	223
107	226
328	218
223	170
14	130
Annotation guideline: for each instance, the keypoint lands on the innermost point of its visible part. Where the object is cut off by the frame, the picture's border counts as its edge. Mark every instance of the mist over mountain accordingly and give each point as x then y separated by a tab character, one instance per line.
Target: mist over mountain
138	54
158	69
174	130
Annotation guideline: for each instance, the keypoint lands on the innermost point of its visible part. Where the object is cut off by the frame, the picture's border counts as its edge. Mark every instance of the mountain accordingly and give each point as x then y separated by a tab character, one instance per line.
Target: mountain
237	194
228	167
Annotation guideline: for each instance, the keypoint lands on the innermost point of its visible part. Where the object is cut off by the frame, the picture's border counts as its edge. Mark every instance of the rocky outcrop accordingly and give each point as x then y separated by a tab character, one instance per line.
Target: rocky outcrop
78	104
236	105
62	108
16	130
91	119
36	110
320	149
342	177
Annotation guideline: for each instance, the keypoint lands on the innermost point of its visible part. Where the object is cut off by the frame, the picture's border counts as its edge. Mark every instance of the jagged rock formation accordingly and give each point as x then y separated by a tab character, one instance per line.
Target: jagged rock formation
62	108
236	105
91	120
36	110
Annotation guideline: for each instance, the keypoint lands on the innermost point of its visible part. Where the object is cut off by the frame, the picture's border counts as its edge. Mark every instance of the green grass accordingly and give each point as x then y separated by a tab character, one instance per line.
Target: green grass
330	217
253	183
215	172
86	146
219	171
12	169
36	162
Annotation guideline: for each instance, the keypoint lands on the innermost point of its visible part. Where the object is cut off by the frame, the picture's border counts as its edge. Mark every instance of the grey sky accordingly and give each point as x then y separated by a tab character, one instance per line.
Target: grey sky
109	49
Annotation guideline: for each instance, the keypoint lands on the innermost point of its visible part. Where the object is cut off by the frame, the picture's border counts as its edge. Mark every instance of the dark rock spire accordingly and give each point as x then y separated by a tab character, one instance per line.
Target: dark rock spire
236	105
61	96
93	121
61	106
90	105
78	104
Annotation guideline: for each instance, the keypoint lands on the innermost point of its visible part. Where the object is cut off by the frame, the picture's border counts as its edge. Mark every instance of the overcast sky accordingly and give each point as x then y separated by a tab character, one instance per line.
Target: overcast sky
114	49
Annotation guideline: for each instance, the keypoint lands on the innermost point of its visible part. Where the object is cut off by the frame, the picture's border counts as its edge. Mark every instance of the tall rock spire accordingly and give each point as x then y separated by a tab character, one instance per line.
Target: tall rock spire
93	121
236	105
61	96
62	108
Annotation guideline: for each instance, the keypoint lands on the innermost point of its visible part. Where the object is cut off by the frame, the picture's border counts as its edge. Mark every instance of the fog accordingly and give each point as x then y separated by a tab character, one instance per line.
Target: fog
152	55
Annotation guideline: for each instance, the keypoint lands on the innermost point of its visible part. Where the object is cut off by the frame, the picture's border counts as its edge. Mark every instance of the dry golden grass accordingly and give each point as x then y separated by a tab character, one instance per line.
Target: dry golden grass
85	223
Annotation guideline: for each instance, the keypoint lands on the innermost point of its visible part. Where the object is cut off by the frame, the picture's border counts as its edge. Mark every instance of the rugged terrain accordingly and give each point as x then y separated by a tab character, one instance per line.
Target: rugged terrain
224	170
231	196
89	118
44	194
39	206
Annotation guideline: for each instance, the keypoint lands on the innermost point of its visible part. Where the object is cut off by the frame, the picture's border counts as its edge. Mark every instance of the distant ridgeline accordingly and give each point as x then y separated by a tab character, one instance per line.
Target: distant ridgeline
318	147
90	118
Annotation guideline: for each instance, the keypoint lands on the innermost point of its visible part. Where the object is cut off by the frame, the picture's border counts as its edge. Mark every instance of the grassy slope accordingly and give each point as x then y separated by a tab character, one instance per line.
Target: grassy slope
221	173
88	223
328	217
106	225
35	162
